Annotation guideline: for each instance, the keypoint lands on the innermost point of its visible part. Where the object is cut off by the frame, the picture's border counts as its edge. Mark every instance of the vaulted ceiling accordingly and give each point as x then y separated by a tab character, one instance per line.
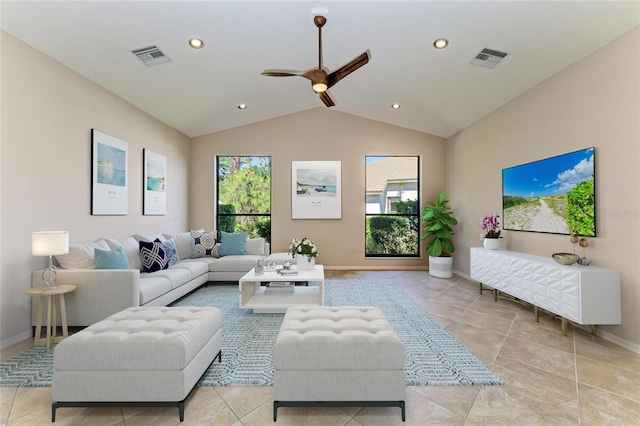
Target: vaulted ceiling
198	91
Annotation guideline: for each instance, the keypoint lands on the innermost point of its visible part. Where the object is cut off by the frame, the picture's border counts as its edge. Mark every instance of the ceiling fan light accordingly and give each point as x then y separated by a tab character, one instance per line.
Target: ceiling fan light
319	87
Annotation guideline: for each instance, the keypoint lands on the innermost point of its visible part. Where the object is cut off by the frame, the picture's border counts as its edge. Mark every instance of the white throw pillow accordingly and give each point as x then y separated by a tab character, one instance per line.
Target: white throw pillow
255	246
184	243
149	238
131	248
81	255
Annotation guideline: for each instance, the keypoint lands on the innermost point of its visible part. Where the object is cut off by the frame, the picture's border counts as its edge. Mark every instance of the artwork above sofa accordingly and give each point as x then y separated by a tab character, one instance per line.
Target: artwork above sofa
103	292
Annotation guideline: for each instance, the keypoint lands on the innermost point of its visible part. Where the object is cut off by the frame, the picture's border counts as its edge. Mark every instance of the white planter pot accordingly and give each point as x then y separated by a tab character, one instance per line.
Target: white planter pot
491	243
304	263
441	267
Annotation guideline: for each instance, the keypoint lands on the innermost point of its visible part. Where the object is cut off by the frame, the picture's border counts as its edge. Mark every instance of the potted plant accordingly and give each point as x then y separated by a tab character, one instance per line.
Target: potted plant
491	225
438	219
305	252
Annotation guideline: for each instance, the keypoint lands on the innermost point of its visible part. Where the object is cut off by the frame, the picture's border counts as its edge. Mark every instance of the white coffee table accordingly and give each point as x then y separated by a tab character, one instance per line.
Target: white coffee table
252	293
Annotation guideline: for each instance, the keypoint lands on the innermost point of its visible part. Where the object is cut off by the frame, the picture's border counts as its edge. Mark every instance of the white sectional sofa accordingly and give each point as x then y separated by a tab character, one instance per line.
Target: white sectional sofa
103	292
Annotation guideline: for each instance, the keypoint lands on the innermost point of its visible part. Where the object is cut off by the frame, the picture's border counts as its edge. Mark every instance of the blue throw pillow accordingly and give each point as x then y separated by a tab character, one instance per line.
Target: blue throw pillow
233	243
172	251
111	259
153	255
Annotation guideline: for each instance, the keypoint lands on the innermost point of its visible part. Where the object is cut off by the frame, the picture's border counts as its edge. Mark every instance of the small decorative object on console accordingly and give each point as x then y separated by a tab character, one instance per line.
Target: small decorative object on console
565	258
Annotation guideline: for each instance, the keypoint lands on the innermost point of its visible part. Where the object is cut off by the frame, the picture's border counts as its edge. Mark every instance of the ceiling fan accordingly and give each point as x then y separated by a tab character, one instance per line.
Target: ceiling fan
320	79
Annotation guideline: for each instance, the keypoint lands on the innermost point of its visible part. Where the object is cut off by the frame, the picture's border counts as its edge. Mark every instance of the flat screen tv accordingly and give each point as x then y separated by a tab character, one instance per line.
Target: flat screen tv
555	195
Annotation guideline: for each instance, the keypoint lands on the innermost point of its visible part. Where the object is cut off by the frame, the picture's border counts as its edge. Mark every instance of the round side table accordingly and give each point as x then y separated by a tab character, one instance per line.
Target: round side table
49	296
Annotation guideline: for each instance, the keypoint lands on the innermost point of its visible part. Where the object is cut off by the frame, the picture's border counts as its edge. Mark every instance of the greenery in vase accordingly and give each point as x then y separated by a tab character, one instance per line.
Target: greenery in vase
304	247
438	219
491	225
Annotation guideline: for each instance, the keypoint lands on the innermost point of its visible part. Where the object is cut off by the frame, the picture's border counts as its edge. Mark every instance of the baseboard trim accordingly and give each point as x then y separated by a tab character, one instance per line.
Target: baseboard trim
16	339
376	268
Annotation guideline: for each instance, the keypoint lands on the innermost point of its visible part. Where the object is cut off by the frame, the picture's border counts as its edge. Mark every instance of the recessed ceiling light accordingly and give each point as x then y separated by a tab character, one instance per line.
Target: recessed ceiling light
395	106
441	43
242	106
196	43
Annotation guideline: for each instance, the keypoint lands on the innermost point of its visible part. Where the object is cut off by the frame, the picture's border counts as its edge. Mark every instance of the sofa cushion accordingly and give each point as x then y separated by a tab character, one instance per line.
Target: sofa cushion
152	287
172	251
196	266
233	263
81	255
203	243
232	244
177	276
149	237
184	243
131	248
255	246
153	255
111	259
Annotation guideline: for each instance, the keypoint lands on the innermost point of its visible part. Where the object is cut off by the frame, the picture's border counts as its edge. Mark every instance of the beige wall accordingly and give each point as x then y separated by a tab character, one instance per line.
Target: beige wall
595	102
48	112
317	134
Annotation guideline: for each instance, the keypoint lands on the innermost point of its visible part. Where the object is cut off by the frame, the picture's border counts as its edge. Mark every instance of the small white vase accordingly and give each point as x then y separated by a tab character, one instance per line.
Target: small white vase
304	263
491	243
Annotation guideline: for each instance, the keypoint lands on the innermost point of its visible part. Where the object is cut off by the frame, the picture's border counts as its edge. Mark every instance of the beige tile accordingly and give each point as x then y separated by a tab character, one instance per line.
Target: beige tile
287	416
541	334
484	344
599	407
545	358
6	400
495	405
244	399
500	309
486	321
598	349
546	393
446	311
608	377
29	400
458	399
206	407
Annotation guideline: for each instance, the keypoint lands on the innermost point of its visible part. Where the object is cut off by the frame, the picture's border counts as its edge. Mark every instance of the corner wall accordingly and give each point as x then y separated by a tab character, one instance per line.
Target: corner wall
48	112
594	102
316	135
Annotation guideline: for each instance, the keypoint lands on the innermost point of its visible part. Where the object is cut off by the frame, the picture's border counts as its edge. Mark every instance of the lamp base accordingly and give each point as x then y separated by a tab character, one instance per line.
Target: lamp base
50	278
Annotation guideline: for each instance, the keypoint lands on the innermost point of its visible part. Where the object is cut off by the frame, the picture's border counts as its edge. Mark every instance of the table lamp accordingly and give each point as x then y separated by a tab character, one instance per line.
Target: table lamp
49	243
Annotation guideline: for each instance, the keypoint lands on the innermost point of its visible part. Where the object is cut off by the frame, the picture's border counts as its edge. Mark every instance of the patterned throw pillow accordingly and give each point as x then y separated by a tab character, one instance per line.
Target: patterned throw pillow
203	243
216	250
172	251
153	255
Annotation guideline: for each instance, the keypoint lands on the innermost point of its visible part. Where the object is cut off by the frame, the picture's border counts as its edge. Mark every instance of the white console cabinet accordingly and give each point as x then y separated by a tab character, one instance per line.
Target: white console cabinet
584	294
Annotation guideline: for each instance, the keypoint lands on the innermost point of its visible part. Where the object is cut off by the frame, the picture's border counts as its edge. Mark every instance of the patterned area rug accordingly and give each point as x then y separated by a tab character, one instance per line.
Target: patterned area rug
433	356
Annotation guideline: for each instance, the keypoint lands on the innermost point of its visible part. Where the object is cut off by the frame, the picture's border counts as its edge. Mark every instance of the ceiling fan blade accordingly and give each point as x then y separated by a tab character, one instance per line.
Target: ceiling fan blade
281	73
341	73
324	96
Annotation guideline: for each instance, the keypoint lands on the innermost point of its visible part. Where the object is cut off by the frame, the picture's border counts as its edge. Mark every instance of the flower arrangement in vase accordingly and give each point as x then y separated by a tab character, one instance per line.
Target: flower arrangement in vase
491	226
305	252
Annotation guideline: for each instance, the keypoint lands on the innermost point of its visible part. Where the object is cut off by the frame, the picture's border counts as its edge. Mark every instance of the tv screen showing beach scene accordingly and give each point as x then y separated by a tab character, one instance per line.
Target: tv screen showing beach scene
555	195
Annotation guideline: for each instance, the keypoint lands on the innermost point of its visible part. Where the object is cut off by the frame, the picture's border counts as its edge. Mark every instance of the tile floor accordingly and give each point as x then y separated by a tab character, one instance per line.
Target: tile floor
549	378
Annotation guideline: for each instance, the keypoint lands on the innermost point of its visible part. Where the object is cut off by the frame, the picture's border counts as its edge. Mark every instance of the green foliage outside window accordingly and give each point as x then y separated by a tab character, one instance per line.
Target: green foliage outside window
244	195
390	235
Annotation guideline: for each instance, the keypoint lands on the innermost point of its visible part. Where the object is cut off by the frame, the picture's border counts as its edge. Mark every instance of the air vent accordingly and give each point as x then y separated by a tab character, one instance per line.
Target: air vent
488	58
151	55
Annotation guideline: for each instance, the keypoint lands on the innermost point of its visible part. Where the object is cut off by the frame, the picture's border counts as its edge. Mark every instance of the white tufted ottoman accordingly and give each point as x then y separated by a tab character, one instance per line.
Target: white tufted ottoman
145	356
338	356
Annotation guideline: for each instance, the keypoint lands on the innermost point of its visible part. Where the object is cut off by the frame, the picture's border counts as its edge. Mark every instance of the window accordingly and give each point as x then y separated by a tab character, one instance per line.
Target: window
392	199
243	187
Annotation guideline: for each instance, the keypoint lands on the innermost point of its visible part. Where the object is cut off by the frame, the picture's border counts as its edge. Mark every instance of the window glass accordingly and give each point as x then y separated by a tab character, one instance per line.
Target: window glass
392	199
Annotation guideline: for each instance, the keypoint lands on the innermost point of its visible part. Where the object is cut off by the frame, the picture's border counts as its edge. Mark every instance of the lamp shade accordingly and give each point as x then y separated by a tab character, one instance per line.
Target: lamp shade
49	243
